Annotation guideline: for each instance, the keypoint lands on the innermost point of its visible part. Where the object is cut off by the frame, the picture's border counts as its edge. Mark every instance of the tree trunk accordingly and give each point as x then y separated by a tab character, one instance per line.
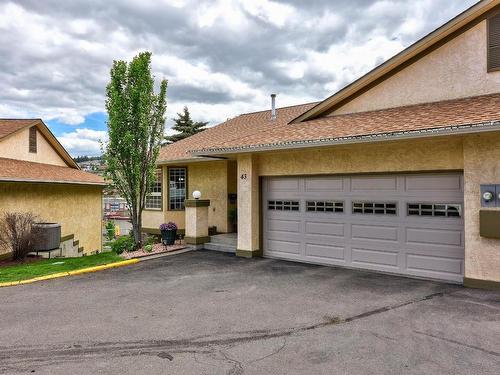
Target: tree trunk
137	228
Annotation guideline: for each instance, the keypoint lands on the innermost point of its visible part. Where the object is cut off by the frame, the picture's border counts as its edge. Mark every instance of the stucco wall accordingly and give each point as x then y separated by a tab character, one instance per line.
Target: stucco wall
248	204
16	146
211	178
455	70
404	156
481	166
151	219
77	208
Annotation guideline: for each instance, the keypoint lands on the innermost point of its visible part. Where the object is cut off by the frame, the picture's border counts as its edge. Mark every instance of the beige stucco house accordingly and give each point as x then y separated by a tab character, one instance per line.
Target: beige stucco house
387	174
38	175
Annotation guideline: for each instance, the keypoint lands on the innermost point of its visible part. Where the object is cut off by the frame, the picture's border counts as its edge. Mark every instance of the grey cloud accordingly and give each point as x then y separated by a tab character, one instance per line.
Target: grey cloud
70	72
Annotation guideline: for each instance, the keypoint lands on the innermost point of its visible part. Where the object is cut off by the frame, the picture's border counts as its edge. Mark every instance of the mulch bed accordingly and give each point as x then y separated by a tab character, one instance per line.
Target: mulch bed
158	248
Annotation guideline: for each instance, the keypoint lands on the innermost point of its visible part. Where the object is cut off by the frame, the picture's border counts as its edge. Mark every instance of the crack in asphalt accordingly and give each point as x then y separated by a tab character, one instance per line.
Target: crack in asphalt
459	343
10	357
271	354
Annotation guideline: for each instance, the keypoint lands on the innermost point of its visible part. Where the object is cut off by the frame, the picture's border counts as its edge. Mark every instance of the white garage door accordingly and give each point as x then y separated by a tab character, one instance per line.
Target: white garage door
403	224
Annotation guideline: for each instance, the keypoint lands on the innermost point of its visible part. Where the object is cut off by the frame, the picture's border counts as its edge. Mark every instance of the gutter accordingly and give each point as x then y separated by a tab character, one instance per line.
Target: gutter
198	158
368	138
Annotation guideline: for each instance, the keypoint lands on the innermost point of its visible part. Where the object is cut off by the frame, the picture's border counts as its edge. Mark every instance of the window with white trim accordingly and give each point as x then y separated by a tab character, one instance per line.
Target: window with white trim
177	182
154	198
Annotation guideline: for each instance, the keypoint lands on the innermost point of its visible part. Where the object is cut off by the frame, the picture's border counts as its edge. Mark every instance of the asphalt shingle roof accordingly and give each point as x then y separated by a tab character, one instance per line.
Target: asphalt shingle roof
257	129
27	171
9	126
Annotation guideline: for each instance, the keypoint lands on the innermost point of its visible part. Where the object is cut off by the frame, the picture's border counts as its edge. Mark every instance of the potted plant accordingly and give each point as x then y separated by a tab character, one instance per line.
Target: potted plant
168	233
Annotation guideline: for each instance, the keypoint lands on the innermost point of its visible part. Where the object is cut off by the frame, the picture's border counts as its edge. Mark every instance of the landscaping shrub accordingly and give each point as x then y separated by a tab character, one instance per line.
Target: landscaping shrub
151	239
110	231
18	233
121	244
148	248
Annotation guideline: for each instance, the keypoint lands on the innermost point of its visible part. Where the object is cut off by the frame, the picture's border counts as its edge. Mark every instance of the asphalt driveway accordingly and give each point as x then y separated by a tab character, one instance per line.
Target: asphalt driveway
212	313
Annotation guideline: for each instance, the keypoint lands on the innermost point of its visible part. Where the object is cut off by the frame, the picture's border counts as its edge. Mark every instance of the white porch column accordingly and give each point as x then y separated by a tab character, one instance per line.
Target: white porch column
248	208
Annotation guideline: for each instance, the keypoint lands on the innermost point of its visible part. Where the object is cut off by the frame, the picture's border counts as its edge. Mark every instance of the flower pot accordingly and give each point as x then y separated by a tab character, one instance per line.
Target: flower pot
168	237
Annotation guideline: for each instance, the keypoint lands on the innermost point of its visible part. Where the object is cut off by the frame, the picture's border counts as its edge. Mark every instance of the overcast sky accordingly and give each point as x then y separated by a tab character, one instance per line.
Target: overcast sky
221	58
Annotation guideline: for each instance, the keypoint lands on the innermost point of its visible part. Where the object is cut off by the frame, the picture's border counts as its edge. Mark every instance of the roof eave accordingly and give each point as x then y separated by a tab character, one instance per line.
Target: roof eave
41	181
488	126
187	160
57	145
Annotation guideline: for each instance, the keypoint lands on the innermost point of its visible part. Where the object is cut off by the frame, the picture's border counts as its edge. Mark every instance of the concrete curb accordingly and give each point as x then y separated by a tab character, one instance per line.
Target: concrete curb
161	255
71	273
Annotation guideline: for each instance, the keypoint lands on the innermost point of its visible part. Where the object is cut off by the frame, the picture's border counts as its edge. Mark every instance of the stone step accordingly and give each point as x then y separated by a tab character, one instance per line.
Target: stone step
225	239
219	247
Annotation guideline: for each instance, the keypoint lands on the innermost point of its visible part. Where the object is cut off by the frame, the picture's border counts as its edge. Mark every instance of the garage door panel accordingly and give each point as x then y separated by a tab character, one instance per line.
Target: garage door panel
286	247
325	228
378	184
325	252
283	185
426	236
456	252
426	183
421	263
374	257
279	225
374	232
411	240
319	184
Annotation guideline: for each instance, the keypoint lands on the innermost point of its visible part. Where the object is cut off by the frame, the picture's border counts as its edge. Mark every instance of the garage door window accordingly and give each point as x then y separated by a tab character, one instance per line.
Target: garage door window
283	205
434	209
325	206
377	208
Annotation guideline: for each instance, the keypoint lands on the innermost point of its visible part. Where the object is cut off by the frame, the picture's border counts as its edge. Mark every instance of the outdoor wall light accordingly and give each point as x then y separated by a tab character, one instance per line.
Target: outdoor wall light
196	194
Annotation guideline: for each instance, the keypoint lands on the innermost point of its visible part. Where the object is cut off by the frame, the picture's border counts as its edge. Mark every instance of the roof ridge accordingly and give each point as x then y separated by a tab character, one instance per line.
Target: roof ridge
285	107
19	118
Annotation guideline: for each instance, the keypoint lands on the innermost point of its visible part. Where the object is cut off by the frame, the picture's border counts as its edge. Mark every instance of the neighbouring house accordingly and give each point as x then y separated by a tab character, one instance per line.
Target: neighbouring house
388	174
38	175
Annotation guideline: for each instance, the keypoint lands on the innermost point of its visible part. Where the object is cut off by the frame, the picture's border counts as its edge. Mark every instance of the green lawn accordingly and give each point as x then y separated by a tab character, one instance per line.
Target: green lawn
54	265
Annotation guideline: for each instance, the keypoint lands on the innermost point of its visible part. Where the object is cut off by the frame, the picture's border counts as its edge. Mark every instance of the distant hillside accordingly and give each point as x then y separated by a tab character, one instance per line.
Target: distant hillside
84	158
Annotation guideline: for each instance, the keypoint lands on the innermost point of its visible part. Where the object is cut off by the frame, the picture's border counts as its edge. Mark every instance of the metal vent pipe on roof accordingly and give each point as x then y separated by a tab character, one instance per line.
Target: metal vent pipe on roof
273	106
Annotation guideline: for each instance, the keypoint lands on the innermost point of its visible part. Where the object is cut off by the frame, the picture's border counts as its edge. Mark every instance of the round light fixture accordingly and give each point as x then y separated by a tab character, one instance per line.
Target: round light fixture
196	194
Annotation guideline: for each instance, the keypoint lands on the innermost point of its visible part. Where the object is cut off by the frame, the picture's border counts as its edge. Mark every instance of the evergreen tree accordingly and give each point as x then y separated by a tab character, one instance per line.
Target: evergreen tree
185	126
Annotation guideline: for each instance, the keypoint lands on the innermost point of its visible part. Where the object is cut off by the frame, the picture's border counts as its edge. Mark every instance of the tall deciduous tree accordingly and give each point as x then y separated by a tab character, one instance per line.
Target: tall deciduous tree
136	125
185	126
